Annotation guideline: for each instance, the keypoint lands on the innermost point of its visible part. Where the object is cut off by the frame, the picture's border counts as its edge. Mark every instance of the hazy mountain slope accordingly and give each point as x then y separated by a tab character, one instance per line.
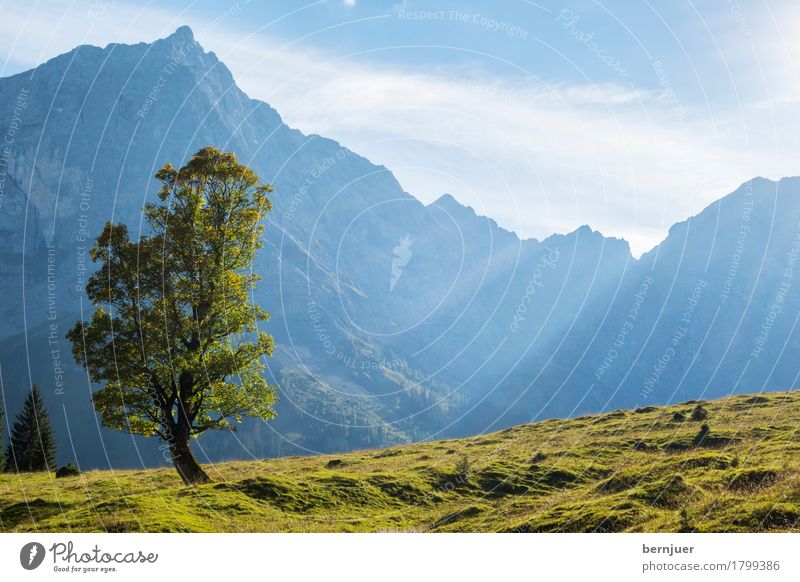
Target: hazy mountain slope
712	310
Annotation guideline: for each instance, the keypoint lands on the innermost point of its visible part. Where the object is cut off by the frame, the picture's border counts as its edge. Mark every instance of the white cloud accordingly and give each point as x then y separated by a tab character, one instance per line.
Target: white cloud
538	158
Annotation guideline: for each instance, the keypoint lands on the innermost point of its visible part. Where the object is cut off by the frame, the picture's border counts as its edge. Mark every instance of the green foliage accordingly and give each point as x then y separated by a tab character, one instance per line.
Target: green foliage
538	457
463	468
68	470
699	413
174	339
31	446
701	435
670	492
685	524
755	478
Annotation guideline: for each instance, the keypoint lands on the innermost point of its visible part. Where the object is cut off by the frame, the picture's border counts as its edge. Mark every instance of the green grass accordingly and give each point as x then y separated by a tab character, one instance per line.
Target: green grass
643	470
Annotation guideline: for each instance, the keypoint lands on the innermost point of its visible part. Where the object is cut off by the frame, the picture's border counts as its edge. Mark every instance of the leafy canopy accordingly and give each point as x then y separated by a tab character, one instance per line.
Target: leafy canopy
174	338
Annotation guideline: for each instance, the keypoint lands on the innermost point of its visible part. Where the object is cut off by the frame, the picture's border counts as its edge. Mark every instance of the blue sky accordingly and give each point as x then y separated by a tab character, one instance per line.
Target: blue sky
628	116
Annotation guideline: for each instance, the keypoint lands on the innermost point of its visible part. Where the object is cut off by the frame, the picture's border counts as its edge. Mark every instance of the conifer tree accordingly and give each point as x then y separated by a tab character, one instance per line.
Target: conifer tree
31	446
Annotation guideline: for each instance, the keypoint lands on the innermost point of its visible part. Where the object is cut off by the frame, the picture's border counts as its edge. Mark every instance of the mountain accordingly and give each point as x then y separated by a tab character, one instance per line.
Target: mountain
652	469
395	321
712	310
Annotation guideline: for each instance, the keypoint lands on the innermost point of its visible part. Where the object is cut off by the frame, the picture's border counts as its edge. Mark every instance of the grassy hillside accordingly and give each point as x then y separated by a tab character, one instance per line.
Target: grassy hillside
651	469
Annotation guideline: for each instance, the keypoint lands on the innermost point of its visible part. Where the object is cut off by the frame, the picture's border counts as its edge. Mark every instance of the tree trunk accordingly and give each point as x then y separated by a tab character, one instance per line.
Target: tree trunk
187	466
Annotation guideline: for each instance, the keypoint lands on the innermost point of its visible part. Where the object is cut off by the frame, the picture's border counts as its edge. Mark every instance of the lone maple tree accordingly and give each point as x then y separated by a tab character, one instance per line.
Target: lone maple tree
174	338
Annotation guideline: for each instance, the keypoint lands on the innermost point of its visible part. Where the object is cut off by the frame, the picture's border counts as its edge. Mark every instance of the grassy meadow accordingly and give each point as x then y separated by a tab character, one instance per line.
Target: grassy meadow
654	469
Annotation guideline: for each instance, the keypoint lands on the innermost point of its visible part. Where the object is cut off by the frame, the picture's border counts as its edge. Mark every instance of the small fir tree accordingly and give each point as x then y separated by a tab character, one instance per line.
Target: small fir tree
31	445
